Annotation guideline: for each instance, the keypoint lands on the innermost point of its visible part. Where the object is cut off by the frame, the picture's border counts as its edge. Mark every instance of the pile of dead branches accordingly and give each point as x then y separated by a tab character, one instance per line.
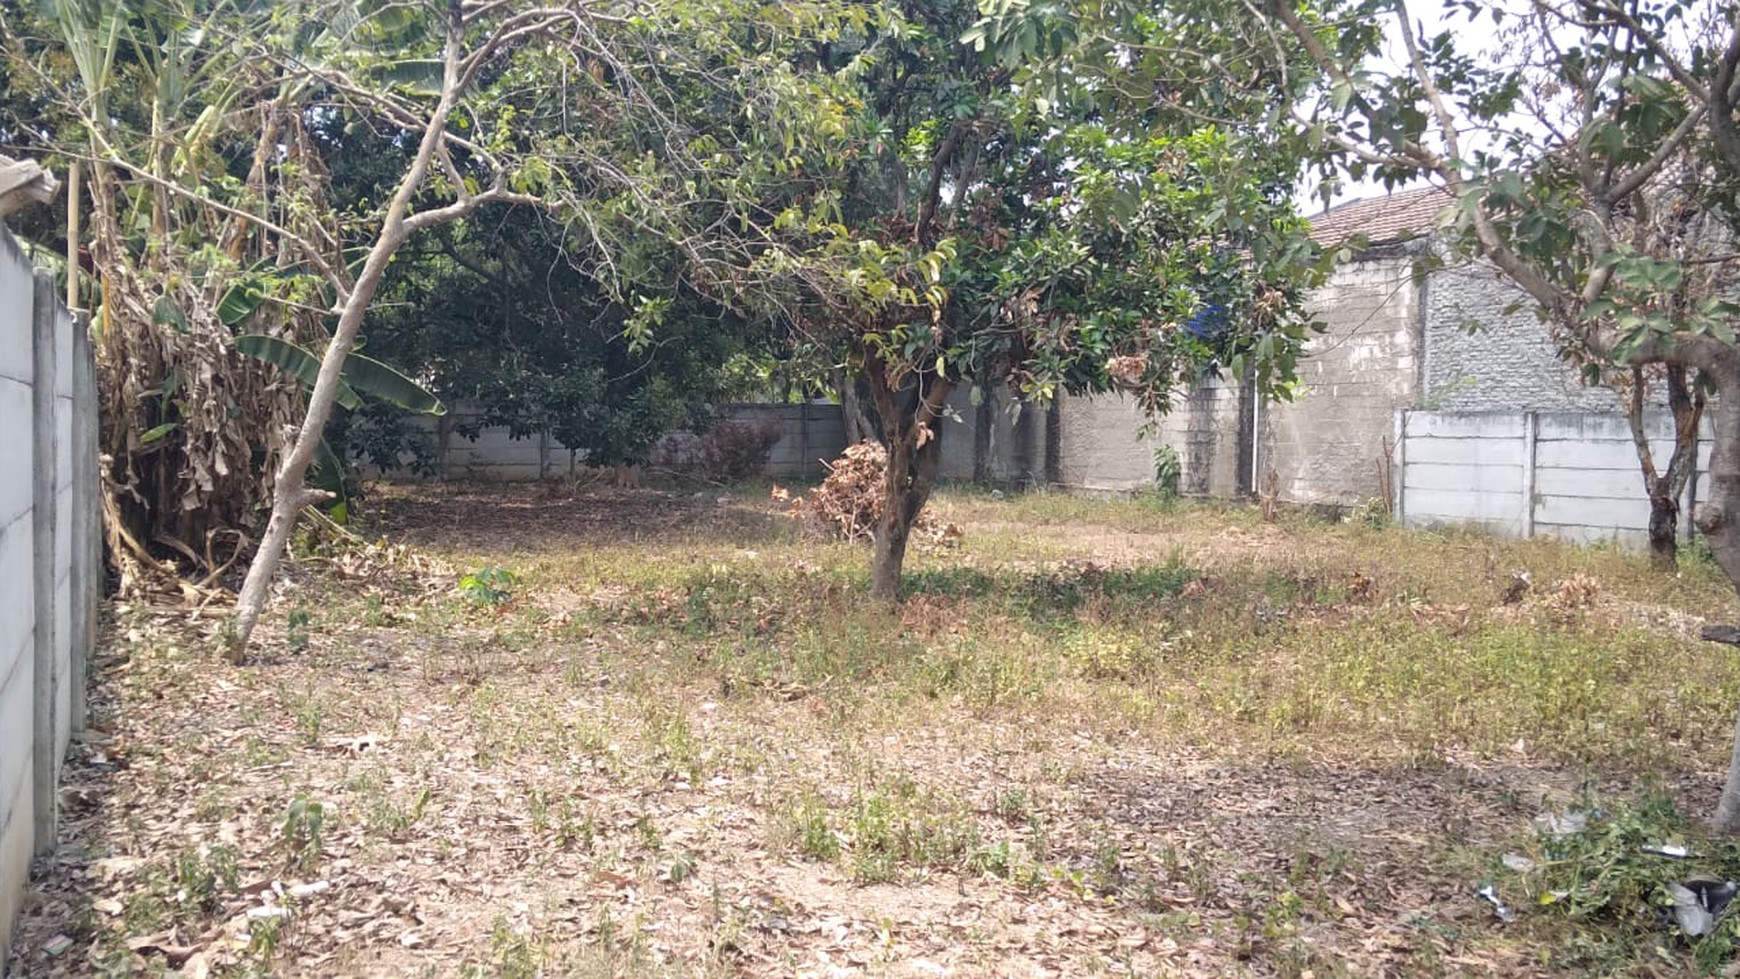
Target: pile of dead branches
848	503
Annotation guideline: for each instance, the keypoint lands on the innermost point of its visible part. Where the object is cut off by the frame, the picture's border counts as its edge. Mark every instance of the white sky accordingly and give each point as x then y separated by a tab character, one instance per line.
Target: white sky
1478	39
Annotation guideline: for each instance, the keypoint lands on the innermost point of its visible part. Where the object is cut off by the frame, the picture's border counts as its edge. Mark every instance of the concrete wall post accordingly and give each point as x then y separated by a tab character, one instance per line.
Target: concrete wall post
1530	436
87	538
1399	469
43	518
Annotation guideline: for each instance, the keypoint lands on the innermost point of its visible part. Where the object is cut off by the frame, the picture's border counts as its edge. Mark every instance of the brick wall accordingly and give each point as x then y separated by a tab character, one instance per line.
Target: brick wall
1509	362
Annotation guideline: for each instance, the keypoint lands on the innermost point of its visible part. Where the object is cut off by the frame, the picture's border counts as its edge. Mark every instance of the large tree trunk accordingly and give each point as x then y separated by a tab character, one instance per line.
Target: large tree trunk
909	408
906	487
1718	519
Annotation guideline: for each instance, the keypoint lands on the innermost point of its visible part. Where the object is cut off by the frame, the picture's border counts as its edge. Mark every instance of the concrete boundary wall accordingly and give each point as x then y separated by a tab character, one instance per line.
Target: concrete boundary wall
1093	444
1571	474
50	556
813	433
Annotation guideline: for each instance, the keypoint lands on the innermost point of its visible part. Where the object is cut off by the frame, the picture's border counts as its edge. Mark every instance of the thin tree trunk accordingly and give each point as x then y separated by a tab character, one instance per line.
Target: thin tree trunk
1664	528
289	491
858	425
1665	488
1686	402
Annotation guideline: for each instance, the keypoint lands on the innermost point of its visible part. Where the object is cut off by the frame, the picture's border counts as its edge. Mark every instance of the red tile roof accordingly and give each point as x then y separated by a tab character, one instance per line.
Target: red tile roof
1397	216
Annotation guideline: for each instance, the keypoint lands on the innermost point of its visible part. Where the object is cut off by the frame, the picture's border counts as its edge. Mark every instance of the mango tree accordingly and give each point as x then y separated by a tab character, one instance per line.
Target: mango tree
1595	166
983	220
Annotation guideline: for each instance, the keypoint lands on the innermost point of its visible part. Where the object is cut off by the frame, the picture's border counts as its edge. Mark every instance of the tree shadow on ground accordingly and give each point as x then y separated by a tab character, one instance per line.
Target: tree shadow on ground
540	518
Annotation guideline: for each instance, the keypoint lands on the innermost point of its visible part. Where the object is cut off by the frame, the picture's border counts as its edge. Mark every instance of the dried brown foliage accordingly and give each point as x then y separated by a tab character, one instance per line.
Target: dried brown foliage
1574	594
193	429
849	502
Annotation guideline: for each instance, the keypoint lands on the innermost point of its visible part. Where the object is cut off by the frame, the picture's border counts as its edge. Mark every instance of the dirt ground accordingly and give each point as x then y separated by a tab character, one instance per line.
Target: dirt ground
591	777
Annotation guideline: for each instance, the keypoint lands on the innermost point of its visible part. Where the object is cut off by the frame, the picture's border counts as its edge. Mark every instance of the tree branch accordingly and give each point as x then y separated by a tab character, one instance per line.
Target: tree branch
1650	167
1446	121
112	158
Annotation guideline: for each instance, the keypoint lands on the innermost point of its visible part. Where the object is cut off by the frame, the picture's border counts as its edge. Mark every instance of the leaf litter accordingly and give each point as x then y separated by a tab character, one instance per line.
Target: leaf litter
502	794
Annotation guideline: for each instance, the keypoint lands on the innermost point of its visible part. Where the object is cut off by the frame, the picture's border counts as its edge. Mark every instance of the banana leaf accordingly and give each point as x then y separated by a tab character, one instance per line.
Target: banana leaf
295	360
327	474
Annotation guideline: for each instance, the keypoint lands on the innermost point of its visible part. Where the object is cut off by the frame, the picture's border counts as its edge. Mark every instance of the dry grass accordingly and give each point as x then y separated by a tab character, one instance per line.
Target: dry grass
1100	737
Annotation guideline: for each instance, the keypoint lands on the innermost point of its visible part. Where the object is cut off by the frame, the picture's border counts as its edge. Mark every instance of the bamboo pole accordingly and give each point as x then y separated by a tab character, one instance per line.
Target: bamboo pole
72	236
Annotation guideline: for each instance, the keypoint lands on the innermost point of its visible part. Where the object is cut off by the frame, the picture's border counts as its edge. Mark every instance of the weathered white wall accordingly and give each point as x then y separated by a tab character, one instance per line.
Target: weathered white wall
1325	446
1464	469
1571	474
49	557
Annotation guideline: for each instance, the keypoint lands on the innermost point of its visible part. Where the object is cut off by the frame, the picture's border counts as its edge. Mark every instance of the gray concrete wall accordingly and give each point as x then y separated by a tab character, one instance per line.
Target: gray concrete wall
1102	445
1571	474
994	436
1203	426
18	599
49	554
1108	443
812	433
1486	350
1325	446
959	430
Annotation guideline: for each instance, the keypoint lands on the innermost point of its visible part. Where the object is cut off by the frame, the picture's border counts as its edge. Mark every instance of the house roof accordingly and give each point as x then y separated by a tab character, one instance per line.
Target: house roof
1393	217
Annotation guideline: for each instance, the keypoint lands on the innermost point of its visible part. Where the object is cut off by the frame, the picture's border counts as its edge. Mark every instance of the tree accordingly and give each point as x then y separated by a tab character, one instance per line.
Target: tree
467	46
1598	171
984	219
504	312
570	106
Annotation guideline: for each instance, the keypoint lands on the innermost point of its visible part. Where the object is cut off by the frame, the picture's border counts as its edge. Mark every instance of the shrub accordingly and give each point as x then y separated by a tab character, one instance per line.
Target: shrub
488	585
736	450
1168	471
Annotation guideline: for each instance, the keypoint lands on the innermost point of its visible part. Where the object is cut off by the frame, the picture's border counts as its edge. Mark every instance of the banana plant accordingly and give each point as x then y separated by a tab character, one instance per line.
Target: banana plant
362	375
